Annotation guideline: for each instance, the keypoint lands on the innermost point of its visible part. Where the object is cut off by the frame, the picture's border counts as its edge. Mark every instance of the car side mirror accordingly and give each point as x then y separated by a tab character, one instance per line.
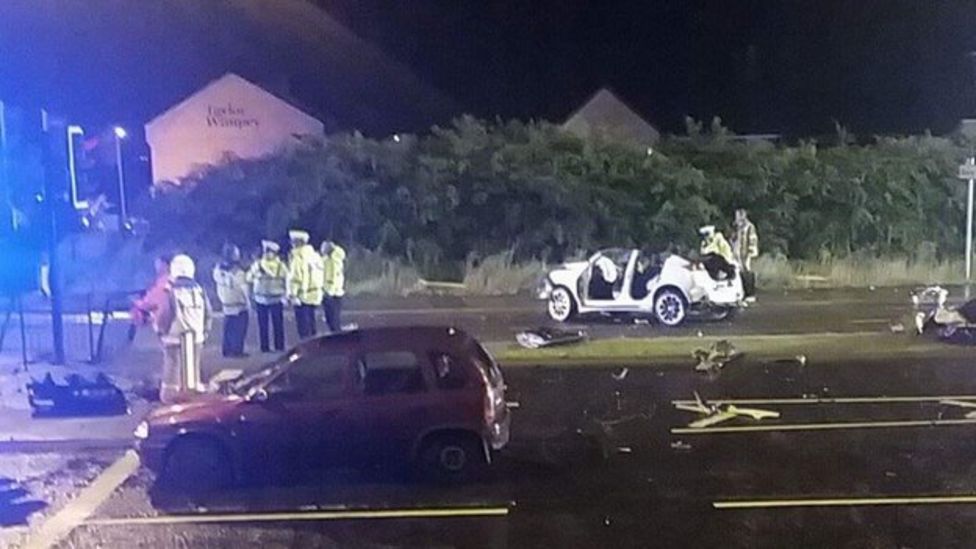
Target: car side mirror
258	395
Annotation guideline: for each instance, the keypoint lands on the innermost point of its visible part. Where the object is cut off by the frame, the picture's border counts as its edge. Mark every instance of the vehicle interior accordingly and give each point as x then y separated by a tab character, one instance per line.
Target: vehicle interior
606	275
648	267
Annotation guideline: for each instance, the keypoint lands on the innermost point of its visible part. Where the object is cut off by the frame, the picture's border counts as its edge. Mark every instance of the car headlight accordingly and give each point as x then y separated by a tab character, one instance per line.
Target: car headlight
142	431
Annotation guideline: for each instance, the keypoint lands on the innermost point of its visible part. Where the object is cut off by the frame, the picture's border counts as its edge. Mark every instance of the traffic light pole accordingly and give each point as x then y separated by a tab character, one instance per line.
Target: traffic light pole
52	197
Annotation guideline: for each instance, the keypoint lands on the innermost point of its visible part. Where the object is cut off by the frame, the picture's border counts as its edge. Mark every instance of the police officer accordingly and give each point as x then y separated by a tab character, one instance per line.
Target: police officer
716	252
334	259
269	284
306	280
232	291
182	322
745	245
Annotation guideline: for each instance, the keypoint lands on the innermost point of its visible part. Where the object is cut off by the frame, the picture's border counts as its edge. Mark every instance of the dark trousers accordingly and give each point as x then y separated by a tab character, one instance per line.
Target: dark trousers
275	314
748	283
716	264
235	331
333	312
305	318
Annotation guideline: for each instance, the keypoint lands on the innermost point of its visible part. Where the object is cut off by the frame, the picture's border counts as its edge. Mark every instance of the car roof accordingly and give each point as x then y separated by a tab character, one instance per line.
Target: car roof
441	336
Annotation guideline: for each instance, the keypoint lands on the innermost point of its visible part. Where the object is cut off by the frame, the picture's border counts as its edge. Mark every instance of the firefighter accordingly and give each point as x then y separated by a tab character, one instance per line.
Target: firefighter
745	246
716	253
334	259
269	284
306	280
182	322
232	291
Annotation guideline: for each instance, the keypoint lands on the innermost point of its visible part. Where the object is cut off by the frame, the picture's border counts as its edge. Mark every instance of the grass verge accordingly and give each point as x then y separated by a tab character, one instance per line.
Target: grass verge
663	352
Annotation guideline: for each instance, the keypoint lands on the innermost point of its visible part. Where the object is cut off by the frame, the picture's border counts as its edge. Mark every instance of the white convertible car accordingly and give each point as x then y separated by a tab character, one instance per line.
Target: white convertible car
621	280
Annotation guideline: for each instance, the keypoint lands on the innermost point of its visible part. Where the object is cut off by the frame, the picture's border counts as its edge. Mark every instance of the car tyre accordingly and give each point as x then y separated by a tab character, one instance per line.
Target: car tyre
197	465
670	307
561	305
453	459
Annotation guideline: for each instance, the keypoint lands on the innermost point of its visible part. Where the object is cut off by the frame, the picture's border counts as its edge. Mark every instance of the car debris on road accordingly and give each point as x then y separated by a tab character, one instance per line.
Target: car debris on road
718	413
716	356
548	337
76	397
947	323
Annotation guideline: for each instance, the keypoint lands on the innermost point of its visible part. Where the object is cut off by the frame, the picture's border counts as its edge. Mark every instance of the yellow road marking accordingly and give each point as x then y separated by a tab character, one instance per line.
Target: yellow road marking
822	426
305	516
834	400
844	502
54	529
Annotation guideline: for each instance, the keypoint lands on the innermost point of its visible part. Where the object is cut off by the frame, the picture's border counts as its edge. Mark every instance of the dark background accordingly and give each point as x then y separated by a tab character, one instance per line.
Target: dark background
876	66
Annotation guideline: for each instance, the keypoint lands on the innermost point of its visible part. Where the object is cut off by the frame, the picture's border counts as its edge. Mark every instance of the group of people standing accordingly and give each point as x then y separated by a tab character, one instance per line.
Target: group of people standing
179	310
309	279
720	257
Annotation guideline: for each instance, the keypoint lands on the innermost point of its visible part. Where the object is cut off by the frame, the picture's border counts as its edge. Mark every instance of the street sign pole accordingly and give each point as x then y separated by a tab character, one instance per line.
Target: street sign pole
969	227
52	185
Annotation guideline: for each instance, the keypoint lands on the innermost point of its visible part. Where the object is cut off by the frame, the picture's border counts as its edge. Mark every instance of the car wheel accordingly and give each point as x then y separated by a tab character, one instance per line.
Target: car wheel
561	304
670	307
197	464
453	459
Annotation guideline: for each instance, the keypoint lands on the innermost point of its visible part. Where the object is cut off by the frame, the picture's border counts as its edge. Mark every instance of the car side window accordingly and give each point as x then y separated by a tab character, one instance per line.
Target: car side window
448	371
313	377
390	372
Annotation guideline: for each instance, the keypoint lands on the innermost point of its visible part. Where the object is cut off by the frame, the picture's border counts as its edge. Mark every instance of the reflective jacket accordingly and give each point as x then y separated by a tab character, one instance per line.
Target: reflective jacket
718	245
269	280
335	277
186	309
306	275
745	244
231	281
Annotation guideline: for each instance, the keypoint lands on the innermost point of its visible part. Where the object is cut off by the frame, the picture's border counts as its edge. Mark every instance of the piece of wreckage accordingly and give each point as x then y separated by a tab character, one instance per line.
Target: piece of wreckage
718	413
76	397
716	357
947	323
538	338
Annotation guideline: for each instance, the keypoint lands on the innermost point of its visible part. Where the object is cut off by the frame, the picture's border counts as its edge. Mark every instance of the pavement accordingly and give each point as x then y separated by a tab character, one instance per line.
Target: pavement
864	454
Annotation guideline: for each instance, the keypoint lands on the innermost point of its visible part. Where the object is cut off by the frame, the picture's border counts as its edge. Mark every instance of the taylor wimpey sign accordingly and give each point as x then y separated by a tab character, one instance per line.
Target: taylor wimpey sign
230	116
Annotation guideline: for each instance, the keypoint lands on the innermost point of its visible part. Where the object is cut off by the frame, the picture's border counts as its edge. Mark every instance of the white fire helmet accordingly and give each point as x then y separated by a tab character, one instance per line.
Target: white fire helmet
182	266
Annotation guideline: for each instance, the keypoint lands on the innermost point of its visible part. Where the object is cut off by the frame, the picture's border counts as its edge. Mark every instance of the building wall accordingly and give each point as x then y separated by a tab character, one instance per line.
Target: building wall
231	117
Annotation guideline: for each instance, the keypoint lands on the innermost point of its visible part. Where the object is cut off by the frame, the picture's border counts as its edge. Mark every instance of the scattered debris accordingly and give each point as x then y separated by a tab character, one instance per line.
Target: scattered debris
949	324
350	327
76	397
897	328
680	445
715	357
641	321
620	374
961	404
606	521
548	337
891	474
717	413
512	404
700	334
624	450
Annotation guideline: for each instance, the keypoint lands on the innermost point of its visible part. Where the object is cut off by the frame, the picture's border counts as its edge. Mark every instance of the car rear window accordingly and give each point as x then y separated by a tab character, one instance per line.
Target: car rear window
390	372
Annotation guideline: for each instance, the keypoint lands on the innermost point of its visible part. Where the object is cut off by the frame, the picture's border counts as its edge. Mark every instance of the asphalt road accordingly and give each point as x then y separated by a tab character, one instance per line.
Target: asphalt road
596	462
862	455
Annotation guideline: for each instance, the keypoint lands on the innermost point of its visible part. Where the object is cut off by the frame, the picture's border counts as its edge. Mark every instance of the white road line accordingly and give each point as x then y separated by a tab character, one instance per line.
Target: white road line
833	400
870	321
844	502
458	512
58	526
821	426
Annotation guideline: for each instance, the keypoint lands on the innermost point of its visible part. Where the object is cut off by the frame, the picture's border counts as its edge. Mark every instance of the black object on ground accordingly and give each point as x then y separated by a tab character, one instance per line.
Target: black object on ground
76	397
548	337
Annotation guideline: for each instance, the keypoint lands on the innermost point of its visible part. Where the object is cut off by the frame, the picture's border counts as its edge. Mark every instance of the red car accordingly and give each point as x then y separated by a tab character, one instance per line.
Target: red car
431	395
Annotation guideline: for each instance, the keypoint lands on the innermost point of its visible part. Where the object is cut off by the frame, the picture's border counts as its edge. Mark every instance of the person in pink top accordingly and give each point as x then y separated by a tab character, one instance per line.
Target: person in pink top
144	307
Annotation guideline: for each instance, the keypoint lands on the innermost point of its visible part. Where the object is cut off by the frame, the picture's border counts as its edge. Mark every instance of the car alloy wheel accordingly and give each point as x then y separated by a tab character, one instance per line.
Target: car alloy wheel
669	307
560	305
453	458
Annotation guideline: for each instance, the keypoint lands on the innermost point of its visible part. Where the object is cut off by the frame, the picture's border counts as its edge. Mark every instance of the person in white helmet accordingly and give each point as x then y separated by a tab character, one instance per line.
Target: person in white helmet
182	322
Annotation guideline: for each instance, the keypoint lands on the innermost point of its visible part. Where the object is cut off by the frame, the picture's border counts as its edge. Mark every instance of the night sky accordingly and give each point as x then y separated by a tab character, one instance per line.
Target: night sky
876	66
